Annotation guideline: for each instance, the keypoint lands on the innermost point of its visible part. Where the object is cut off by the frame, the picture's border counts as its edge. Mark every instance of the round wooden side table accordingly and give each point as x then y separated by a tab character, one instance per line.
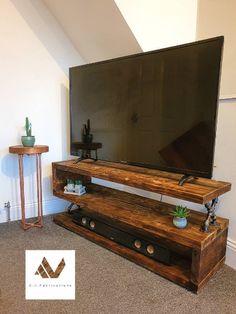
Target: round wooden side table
36	150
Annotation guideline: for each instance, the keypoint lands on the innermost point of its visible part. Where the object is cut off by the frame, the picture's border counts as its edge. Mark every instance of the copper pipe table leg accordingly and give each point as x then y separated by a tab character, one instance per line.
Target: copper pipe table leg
39	189
36	151
22	192
39	222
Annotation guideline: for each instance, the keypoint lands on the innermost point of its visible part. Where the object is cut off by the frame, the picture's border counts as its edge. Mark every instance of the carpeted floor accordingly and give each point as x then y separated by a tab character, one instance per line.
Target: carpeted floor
105	282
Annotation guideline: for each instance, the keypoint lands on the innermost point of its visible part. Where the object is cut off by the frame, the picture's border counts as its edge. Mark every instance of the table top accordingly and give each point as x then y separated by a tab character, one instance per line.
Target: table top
88	146
23	150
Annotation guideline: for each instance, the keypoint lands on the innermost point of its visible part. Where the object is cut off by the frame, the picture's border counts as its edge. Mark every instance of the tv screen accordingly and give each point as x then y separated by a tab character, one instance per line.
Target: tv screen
156	109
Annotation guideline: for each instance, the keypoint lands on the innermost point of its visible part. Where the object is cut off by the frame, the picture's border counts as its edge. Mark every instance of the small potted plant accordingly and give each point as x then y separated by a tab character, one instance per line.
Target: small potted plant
180	214
29	139
87	136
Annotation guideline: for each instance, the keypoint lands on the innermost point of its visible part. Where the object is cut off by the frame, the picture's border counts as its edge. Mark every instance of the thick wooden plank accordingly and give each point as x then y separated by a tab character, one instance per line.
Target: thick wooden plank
23	150
201	284
199	191
147	216
204	261
178	272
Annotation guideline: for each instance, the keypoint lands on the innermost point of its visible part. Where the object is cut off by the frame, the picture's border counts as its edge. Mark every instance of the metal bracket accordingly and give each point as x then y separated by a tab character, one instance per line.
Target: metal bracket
69	208
211	216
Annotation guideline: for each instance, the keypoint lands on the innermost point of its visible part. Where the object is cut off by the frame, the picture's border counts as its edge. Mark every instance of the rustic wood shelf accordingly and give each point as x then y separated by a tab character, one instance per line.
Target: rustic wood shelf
149	216
195	255
199	191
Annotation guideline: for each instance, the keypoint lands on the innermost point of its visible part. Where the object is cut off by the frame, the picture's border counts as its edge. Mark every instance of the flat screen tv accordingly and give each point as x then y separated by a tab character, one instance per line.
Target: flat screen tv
155	109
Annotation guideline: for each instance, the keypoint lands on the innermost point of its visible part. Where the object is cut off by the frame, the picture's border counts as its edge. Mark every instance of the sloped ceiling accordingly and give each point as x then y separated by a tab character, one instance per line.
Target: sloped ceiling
96	28
160	23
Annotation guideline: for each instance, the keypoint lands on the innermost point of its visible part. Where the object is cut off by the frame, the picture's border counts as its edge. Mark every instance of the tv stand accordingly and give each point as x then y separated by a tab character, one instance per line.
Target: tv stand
141	229
186	178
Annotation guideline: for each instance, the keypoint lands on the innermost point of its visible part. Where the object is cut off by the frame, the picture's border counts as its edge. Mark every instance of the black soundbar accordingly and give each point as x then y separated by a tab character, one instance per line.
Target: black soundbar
129	239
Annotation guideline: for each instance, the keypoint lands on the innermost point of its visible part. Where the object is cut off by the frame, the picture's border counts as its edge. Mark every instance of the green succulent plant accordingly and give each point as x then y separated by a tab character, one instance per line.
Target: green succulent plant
28	127
86	129
180	211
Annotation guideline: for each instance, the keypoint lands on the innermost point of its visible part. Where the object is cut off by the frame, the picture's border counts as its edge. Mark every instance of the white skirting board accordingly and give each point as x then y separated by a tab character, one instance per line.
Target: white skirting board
231	253
50	206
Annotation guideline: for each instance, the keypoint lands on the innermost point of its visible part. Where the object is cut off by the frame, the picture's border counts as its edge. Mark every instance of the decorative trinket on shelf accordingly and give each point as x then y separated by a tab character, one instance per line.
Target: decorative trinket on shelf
74	187
180	214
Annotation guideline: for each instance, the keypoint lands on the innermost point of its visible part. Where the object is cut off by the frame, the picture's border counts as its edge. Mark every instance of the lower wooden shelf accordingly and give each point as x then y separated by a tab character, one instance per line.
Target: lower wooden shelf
178	272
190	272
149	216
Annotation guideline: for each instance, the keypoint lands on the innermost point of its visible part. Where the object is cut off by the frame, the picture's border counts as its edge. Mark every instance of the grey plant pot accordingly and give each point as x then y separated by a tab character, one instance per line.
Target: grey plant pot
180	222
28	141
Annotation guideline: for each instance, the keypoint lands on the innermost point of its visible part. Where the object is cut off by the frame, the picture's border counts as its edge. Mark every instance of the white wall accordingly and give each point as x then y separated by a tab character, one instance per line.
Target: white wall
49	32
216	17
157	23
32	83
225	170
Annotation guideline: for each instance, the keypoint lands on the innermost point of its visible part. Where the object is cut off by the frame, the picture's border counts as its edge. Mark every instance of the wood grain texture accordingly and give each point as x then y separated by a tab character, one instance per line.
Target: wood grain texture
178	272
199	191
148	216
201	284
195	255
23	150
204	261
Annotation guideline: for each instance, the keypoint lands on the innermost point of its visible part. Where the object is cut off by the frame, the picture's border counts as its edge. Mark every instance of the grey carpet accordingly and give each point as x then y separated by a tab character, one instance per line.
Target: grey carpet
105	282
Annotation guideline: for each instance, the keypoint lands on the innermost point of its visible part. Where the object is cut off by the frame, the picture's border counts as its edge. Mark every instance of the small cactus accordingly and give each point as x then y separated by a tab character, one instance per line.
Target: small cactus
86	129
28	127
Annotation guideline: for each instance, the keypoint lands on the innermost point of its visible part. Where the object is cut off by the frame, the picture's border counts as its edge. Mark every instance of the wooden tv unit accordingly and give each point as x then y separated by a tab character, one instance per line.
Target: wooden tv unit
194	255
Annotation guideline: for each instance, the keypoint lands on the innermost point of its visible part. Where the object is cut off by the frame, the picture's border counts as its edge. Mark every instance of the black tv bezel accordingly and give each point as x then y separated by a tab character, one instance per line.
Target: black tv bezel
150	166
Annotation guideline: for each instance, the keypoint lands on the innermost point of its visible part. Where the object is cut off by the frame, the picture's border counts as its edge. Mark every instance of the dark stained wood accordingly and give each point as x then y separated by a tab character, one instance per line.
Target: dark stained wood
195	255
149	217
199	191
23	150
209	275
204	261
178	272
